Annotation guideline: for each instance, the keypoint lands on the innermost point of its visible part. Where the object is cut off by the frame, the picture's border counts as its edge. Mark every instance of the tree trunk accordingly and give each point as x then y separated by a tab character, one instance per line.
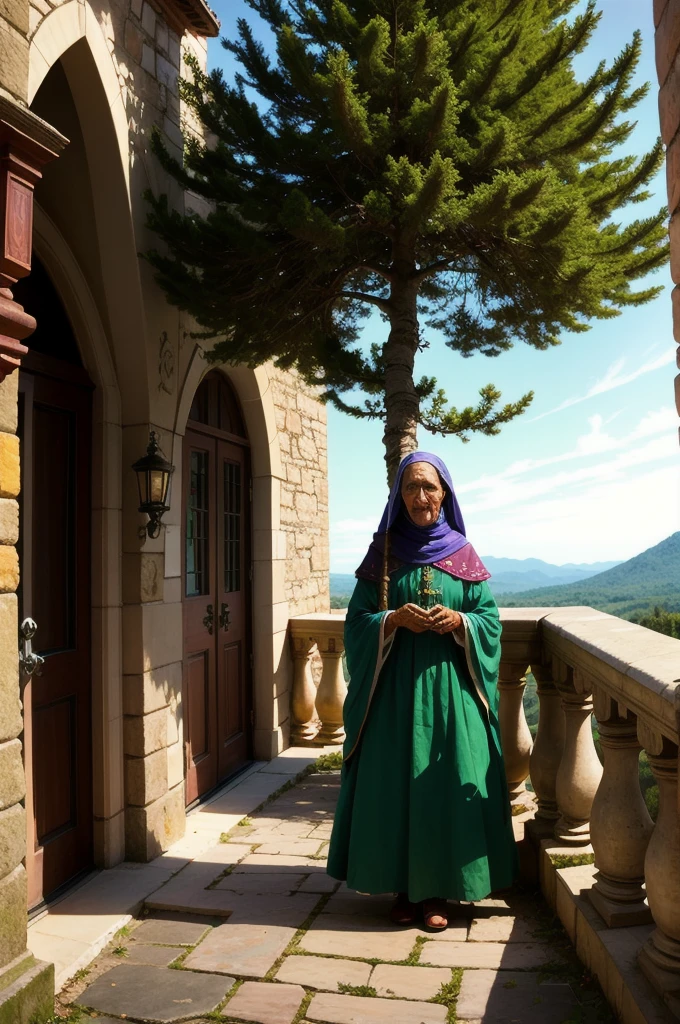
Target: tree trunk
402	404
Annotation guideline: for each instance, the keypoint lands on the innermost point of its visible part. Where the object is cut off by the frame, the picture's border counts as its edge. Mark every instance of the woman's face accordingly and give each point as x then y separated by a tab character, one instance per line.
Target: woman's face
422	493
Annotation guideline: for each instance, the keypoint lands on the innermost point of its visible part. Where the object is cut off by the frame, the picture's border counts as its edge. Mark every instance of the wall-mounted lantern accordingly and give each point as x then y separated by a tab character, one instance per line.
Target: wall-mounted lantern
153	479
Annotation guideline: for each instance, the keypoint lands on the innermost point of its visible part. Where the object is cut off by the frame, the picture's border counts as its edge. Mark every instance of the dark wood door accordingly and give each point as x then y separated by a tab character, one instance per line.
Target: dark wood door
200	567
216	601
56	428
233	711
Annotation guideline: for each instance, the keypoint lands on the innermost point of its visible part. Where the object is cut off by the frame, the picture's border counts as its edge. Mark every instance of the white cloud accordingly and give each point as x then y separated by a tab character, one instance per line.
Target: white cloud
607	497
606	520
613	378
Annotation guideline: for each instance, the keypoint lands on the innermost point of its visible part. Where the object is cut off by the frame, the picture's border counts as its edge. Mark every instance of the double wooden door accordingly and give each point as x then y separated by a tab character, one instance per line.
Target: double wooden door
216	601
55	428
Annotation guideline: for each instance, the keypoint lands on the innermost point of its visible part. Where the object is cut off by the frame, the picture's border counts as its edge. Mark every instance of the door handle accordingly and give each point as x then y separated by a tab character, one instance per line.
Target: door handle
208	619
29	661
224	617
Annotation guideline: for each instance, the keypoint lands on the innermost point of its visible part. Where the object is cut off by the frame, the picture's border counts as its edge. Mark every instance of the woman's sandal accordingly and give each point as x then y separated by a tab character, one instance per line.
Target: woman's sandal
436	915
403	911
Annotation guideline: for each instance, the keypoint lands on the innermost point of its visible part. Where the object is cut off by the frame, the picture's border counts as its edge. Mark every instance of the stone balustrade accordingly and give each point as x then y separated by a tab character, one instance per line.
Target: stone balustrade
316	713
585	664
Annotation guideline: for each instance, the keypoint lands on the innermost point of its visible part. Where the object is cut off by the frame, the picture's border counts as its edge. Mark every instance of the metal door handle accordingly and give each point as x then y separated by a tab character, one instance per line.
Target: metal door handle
30	662
224	617
208	619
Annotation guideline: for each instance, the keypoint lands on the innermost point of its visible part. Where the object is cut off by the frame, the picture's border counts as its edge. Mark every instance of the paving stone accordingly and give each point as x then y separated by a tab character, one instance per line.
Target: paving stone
245	949
277	862
358	936
154	994
409	982
324	973
318	882
161	956
515	956
342	1009
500	997
174	931
294	829
261	882
301	847
501	929
276	908
347	902
266	1004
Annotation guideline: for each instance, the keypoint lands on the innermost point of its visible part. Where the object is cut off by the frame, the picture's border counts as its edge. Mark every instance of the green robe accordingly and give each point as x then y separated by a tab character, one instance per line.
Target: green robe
423	805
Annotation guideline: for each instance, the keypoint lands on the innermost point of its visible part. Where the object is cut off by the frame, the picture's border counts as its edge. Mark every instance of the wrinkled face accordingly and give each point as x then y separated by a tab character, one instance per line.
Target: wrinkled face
422	493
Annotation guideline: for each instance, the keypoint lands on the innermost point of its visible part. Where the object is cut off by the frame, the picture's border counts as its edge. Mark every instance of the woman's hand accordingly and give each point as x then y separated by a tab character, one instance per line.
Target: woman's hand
410	616
444	620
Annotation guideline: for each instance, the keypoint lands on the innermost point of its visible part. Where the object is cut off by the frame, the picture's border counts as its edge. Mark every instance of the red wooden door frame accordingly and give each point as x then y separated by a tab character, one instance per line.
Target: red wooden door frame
212	660
55	551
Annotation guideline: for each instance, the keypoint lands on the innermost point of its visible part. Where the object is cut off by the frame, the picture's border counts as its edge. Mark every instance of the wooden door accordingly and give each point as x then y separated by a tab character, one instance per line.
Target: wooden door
200	568
56	427
233	718
216	575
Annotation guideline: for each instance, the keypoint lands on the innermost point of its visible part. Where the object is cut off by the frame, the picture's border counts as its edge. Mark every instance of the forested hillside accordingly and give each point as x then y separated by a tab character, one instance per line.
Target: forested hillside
629	589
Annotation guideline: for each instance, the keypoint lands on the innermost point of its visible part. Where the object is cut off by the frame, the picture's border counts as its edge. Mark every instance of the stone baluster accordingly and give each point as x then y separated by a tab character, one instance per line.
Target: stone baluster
620	825
548	745
304	723
330	697
515	735
580	771
660	956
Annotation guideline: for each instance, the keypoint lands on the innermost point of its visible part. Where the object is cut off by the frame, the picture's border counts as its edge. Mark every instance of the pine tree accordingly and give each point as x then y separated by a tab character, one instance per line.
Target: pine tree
435	159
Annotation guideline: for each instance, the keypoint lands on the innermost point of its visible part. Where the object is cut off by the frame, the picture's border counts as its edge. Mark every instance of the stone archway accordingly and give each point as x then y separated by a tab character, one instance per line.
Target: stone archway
271	663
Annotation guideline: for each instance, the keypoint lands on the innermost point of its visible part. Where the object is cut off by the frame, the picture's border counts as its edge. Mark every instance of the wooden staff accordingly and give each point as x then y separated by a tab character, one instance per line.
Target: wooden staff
385	583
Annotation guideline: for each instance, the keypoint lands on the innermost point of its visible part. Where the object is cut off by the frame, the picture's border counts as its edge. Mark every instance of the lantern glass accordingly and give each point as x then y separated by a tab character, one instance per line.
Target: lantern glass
158	486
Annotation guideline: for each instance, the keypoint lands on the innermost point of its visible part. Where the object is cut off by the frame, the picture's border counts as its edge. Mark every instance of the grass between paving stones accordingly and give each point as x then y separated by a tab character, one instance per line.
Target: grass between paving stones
121	951
295	941
367	991
448	994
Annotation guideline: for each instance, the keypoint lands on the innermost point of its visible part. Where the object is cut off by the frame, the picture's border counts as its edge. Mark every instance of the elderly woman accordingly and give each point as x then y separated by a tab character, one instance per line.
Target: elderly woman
423	808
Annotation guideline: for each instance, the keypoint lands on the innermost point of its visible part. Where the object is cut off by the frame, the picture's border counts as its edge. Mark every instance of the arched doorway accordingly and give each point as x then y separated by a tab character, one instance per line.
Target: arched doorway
55	428
216	588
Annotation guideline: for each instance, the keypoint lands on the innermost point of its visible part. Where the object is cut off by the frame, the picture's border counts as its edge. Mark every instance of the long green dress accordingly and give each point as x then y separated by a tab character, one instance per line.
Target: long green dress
423	805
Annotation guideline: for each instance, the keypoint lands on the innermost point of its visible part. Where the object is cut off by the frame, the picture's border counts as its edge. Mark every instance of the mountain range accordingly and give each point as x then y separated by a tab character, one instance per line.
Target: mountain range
623	588
650	578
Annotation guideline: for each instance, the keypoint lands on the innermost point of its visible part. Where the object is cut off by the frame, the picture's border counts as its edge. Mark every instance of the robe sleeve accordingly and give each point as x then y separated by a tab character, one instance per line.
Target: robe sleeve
366	651
482	641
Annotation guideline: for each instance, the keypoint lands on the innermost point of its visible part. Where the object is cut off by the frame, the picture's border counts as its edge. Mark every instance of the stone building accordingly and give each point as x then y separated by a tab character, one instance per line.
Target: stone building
166	663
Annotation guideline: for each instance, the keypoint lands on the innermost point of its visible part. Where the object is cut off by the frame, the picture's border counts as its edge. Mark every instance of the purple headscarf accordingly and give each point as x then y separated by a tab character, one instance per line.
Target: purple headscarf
424	545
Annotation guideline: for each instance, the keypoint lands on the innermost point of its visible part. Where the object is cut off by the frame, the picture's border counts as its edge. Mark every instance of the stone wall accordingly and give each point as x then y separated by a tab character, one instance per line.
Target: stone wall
667	23
301	421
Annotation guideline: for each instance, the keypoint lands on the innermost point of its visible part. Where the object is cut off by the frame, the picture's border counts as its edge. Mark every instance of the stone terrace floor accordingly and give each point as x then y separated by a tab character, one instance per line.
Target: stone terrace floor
254	930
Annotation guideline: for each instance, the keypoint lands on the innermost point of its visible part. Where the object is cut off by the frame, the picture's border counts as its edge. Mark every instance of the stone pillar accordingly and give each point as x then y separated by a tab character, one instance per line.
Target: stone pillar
26	143
155	815
303	698
548	746
660	956
515	735
620	825
580	770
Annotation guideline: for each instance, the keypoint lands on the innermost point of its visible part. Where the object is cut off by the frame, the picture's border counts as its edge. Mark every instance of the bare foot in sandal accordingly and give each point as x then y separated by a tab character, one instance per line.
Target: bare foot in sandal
436	914
403	911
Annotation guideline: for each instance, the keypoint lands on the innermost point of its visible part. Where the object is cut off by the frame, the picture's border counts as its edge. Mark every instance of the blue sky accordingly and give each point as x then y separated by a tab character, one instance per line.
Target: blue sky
592	471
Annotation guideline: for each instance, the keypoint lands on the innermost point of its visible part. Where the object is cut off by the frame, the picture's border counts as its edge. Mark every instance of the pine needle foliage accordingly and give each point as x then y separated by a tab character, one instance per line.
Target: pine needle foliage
437	160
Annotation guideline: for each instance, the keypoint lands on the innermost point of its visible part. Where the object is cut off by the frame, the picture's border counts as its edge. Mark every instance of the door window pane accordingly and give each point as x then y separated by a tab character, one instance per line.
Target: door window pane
197	554
232	527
